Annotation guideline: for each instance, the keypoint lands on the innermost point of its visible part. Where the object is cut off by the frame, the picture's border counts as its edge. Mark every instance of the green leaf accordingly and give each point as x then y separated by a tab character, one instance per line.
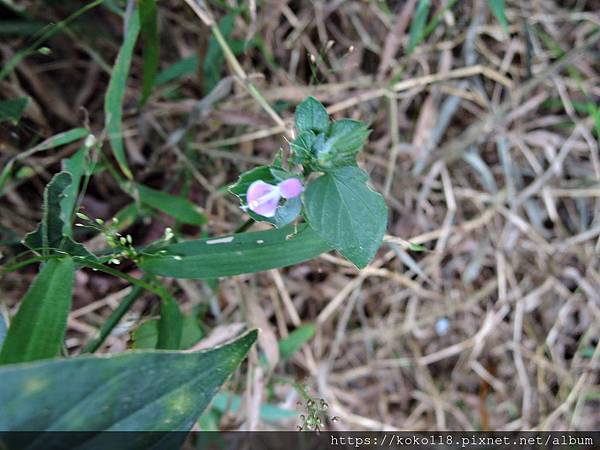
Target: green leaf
49	237
225	402
52	142
182	68
345	139
76	166
178	207
311	115
286	213
497	7
296	339
131	391
113	103
302	149
347	214
37	331
151	49
12	110
417	26
236	254
146	335
169	325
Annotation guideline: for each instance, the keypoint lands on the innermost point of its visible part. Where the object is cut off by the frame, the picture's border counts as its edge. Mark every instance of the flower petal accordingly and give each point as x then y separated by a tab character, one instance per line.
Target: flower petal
290	188
263	198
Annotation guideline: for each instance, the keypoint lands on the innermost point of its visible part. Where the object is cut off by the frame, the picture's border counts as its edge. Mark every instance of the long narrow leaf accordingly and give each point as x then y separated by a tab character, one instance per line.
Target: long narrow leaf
499	10
170	324
37	331
417	26
237	254
113	103
178	207
151	50
52	142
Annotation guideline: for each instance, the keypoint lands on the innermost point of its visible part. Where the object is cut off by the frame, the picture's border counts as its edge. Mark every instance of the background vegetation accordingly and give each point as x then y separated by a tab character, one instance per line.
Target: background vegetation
481	309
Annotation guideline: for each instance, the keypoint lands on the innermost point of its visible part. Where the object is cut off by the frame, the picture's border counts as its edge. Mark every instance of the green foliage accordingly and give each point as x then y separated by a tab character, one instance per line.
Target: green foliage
417	25
12	110
286	213
113	103
170	324
49	237
338	204
178	207
76	166
311	115
37	330
345	138
180	69
146	335
499	10
296	339
151	41
324	146
52	142
50	31
145	390
237	254
350	216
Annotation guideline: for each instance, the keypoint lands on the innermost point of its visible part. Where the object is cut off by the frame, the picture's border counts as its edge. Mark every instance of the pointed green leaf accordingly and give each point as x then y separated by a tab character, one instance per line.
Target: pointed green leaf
37	331
311	115
113	103
296	339
236	254
497	7
417	25
52	142
180	69
347	214
131	391
48	238
175	206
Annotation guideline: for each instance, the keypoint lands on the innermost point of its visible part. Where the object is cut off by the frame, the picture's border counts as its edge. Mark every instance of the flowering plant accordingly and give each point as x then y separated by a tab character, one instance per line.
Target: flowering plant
322	184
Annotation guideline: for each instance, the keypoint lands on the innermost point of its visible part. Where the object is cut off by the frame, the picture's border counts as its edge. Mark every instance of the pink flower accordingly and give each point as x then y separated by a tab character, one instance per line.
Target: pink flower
263	198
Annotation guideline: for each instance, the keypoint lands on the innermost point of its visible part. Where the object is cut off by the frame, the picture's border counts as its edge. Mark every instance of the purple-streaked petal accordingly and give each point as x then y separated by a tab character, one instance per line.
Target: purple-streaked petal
290	188
263	198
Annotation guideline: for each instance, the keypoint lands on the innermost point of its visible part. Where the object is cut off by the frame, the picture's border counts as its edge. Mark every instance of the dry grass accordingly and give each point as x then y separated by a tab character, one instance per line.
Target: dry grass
484	157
